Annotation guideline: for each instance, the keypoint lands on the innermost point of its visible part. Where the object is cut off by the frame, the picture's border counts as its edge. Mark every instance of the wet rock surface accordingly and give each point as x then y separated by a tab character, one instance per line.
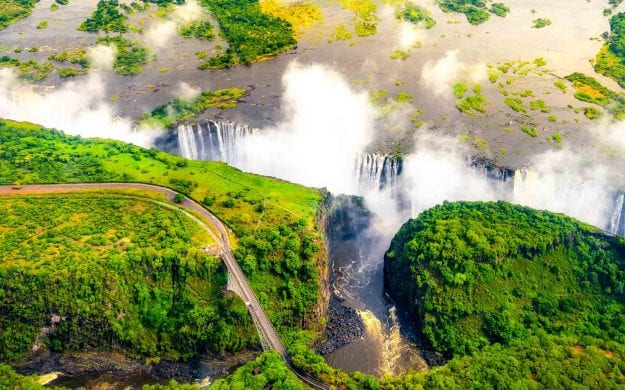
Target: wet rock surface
344	326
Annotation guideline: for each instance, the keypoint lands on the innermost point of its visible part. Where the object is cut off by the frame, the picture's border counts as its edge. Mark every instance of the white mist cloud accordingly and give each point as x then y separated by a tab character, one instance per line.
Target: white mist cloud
187	91
437	171
558	181
565	182
326	126
78	107
102	57
409	35
440	75
160	33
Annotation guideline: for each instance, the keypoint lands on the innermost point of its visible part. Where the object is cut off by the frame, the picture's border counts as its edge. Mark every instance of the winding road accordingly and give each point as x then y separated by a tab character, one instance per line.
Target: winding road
269	336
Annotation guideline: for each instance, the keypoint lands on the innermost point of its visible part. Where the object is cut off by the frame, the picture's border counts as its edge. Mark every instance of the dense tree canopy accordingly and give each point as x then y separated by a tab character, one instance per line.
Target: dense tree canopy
277	241
474	274
84	271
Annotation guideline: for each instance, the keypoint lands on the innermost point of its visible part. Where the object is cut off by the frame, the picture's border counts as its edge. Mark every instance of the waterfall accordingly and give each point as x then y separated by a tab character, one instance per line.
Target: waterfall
375	171
615	220
211	141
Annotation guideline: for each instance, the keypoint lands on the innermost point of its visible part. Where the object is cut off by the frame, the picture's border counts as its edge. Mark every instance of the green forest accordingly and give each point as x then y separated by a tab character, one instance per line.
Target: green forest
118	274
251	34
476	11
278	242
107	17
491	280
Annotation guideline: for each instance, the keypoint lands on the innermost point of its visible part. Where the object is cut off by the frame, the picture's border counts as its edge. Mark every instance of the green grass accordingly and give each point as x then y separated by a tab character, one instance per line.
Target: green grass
592	113
71	72
73	56
500	9
493	75
609	61
561	86
42	25
340	33
404	98
365	16
277	242
182	109
400	54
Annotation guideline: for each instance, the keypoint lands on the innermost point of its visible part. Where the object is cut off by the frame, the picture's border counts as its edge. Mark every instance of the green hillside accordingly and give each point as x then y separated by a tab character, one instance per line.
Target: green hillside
275	234
484	273
110	272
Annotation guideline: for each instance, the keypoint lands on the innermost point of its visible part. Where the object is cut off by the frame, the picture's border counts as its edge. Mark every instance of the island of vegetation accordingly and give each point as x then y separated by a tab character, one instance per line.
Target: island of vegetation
180	109
13	10
251	34
107	17
476	11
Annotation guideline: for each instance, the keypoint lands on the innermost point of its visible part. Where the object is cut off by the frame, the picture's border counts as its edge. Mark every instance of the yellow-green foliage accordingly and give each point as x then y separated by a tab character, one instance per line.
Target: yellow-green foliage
472	103
30	70
561	86
459	90
404	98
14	10
340	33
539	105
301	15
529	130
400	54
515	103
493	75
365	16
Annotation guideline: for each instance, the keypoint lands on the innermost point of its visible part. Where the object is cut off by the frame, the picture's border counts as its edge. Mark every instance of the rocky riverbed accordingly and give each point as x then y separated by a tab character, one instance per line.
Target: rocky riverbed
110	370
344	326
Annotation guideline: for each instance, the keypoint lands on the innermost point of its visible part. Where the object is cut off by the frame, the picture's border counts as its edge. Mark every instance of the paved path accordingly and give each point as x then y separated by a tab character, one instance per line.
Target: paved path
261	320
